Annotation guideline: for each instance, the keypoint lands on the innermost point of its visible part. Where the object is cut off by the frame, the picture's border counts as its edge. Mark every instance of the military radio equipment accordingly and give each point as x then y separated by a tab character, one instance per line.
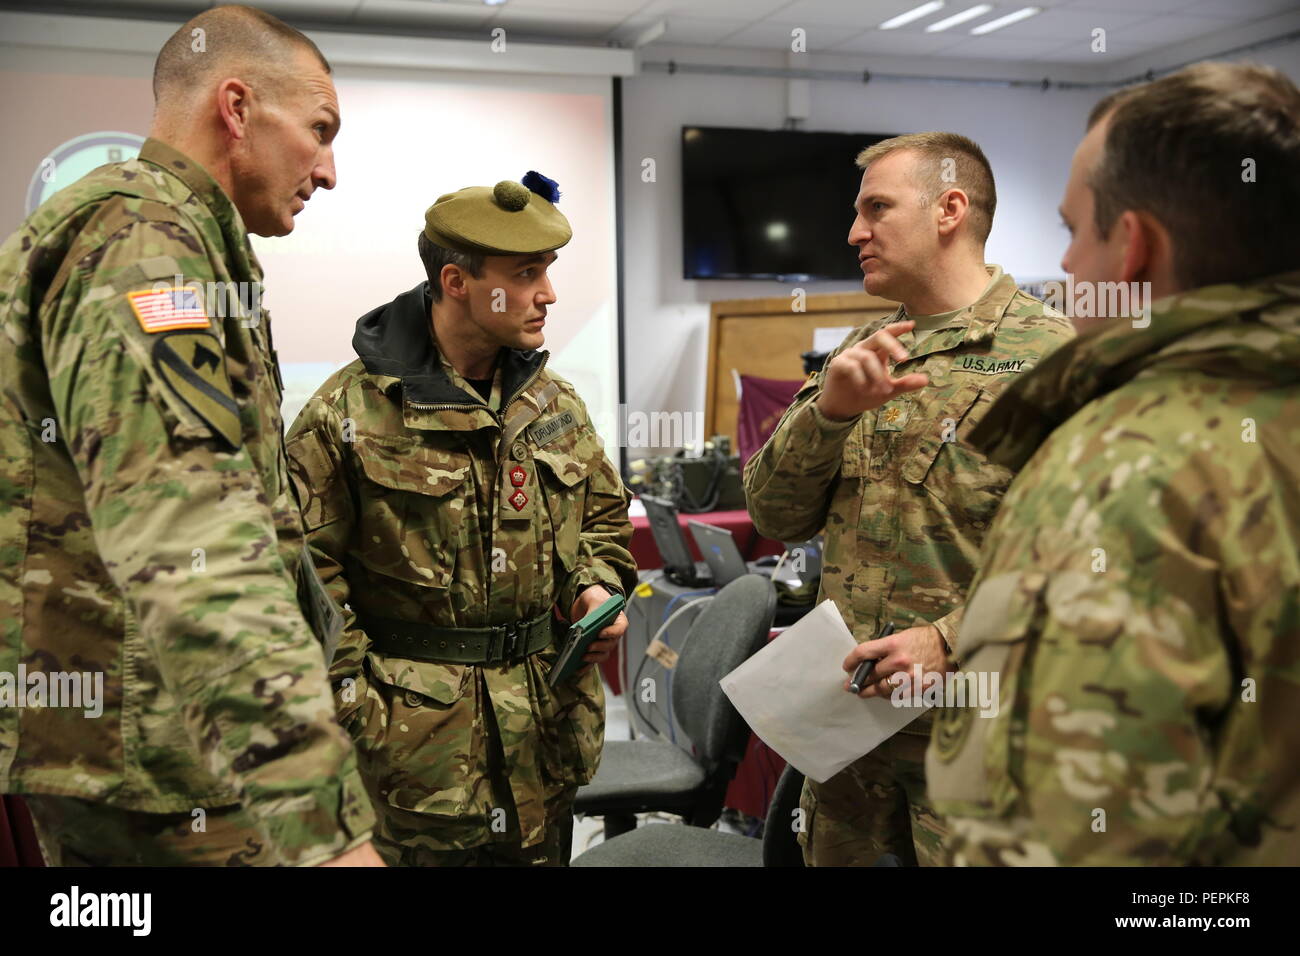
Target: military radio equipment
709	482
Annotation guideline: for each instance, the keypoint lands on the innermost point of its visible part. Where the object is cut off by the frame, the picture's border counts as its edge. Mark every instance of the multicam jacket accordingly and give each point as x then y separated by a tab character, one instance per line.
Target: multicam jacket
425	503
1139	599
904	498
148	533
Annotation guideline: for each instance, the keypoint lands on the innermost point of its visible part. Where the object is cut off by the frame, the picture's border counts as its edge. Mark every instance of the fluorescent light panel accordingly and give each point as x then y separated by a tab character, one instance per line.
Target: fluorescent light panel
956	18
1006	21
924	10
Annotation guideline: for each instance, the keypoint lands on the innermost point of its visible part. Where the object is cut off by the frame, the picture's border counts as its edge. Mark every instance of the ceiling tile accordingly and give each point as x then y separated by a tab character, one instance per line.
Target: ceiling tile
551	19
778	36
1064	23
698	31
843	14
750	10
1239	12
458	16
1162	31
886	42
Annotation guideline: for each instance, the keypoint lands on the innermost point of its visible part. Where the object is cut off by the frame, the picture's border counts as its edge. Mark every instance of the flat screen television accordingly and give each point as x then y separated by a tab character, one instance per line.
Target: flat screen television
769	204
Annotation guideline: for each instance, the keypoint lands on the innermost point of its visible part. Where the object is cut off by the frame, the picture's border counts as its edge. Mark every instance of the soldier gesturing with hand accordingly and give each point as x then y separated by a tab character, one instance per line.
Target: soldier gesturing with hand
859	379
874	451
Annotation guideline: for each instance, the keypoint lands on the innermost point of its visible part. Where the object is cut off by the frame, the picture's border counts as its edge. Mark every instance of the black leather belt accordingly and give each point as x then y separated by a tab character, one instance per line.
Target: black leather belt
458	645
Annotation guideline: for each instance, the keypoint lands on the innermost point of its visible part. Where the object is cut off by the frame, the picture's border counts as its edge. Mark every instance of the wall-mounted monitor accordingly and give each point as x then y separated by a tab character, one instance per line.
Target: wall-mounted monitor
769	204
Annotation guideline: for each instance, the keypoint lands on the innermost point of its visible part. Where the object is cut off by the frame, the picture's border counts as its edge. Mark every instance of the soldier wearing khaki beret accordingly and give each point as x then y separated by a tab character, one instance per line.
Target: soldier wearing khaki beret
457	499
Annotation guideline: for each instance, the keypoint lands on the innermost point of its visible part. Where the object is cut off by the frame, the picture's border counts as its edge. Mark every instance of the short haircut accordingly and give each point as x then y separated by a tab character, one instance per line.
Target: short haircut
1211	152
435	257
234	40
946	161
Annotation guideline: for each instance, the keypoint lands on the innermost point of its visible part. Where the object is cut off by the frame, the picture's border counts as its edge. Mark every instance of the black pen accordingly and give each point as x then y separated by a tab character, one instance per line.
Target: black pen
864	669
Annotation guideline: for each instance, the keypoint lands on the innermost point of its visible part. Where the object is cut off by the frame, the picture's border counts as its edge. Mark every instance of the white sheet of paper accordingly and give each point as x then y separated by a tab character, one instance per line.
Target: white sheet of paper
791	693
828	338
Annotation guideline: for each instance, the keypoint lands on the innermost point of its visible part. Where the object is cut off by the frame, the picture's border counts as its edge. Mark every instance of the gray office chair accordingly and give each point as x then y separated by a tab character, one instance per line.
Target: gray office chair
637	776
674	845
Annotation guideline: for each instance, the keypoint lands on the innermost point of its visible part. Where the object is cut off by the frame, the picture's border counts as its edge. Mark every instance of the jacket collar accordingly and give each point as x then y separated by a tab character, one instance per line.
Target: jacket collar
207	191
394	340
1217	327
974	324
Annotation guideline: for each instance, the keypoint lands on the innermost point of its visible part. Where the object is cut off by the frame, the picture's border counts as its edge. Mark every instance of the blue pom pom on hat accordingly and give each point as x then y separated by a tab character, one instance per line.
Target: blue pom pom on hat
548	189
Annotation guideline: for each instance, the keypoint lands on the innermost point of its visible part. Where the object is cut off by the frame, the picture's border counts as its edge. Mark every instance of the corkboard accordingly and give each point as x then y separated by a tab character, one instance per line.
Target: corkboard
765	337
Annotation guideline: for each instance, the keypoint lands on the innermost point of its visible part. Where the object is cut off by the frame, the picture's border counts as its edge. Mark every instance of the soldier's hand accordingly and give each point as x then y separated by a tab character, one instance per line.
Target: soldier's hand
859	378
605	642
363	855
897	654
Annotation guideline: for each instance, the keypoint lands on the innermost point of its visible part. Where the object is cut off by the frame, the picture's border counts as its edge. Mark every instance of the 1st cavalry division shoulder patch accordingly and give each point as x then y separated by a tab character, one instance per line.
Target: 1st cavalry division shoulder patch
193	365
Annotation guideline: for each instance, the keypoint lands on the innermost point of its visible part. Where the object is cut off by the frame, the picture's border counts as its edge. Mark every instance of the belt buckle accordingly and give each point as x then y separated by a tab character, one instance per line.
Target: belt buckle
512	641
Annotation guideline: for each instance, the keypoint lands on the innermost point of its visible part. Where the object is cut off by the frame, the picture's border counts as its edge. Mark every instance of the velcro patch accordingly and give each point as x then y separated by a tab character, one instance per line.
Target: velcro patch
164	310
193	365
553	427
987	366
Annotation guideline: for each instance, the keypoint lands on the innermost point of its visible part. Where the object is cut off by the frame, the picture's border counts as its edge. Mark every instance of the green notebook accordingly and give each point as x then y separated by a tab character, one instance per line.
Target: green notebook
580	637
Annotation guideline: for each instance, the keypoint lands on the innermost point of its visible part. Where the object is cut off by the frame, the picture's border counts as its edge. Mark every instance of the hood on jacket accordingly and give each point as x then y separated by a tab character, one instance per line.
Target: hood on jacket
1248	330
395	340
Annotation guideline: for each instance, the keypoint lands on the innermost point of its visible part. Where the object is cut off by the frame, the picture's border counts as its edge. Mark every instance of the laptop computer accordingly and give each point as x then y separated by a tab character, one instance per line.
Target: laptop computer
720	552
679	566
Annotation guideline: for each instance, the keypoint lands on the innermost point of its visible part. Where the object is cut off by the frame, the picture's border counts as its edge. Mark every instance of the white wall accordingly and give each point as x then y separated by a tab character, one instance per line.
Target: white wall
1029	136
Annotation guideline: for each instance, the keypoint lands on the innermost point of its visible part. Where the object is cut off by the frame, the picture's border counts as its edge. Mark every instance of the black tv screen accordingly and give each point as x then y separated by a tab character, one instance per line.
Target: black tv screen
769	204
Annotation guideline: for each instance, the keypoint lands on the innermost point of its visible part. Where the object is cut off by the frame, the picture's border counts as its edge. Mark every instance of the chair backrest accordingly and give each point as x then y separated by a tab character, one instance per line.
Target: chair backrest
734	625
780	838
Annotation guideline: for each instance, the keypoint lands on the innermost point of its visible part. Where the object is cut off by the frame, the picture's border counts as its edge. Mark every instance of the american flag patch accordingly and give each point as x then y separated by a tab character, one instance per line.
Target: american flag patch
161	310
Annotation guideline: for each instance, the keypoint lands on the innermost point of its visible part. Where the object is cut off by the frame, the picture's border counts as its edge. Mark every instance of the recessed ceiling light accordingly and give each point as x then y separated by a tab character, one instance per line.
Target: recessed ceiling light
1006	21
957	18
902	19
494	3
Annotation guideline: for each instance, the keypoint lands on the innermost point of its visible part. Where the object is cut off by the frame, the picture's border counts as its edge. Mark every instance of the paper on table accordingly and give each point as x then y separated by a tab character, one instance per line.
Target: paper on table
791	693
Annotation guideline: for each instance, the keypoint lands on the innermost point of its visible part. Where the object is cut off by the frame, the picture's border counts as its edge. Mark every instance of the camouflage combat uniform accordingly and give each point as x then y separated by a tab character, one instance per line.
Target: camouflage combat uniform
905	502
429	509
1140	598
149	535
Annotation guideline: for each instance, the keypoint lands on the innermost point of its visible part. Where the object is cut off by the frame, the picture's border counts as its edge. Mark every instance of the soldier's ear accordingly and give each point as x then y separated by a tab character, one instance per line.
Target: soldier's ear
234	101
1143	241
453	282
954	207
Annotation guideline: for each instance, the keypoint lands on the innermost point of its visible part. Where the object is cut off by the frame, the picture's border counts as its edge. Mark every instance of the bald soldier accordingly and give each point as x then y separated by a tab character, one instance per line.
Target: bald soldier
875	450
167	702
1139	599
457	499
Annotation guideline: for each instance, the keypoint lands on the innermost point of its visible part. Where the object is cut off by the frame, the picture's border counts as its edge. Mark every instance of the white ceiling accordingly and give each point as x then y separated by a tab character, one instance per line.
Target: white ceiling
1061	33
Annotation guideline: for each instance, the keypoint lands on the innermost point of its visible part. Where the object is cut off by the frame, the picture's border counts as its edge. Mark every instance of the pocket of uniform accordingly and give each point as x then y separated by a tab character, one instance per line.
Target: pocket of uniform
312	471
422	735
570	721
413	508
944	463
975	749
562	472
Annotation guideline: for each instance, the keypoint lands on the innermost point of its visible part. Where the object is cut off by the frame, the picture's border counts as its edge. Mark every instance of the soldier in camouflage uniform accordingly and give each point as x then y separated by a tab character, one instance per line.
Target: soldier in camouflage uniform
456	496
149	534
884	464
1140	590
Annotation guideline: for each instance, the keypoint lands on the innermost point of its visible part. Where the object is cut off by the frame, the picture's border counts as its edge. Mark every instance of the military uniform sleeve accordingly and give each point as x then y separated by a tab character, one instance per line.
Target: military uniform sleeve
1100	749
316	463
949	626
603	555
788	483
180	521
